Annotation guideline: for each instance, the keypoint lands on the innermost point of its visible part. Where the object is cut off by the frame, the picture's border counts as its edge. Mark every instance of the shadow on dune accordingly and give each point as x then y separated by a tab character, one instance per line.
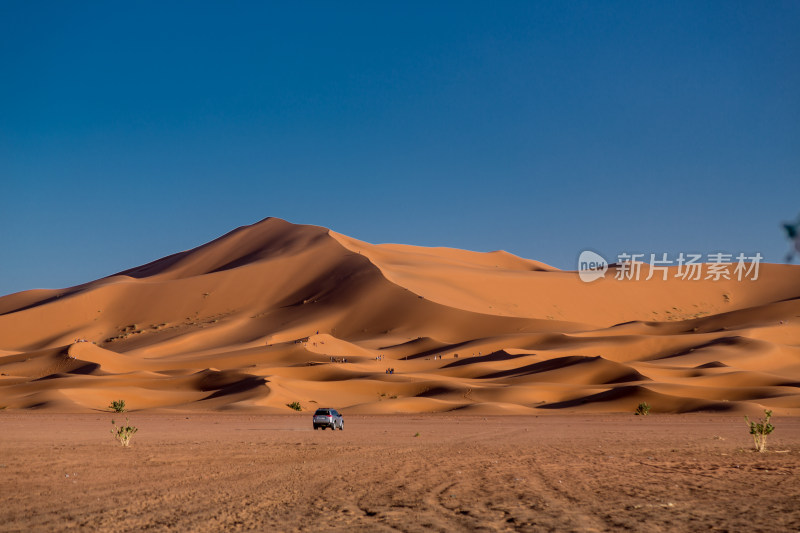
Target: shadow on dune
499	355
634	393
620	373
737	341
244	385
82	368
88	368
713	364
619	393
437	391
214	380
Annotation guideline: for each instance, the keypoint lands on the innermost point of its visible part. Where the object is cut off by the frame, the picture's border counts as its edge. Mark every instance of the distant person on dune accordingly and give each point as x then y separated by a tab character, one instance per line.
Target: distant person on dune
793	233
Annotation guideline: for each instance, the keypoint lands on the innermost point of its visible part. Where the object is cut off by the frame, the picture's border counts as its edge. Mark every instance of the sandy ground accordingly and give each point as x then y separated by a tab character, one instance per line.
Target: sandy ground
228	472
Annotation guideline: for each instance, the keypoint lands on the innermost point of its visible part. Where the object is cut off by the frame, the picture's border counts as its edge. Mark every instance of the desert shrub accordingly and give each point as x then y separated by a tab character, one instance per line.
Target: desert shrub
125	433
295	405
642	409
416	434
760	429
118	406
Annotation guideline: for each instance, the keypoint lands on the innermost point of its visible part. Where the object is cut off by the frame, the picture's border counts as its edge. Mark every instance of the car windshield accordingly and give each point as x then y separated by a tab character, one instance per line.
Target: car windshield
322	412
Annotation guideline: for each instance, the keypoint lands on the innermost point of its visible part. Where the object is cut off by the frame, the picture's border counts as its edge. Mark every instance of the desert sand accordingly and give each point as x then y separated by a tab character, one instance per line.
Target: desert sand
233	471
209	346
274	313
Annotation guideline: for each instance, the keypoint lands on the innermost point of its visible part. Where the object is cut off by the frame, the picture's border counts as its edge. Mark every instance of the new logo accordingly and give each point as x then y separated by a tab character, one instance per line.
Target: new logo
591	266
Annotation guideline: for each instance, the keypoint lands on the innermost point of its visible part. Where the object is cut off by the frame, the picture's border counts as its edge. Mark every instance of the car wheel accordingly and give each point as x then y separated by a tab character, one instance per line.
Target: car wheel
341	425
316	428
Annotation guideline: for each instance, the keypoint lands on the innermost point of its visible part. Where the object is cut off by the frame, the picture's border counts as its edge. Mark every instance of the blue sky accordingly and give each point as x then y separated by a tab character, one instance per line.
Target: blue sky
129	131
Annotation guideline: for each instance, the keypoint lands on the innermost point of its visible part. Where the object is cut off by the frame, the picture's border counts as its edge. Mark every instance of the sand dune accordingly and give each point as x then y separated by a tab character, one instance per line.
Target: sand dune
275	312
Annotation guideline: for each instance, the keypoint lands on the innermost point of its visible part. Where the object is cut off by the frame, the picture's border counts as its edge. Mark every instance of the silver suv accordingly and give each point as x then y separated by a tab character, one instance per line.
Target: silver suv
328	418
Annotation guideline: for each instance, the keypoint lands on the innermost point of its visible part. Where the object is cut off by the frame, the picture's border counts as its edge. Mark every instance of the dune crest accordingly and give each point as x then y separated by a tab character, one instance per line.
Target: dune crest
277	312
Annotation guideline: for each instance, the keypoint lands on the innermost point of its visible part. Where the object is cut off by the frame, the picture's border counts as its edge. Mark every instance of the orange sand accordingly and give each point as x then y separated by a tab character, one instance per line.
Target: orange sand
267	315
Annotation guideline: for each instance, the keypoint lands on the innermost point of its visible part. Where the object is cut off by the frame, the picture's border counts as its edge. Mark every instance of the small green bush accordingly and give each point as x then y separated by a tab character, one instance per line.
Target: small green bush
118	406
416	434
295	405
759	430
125	433
643	409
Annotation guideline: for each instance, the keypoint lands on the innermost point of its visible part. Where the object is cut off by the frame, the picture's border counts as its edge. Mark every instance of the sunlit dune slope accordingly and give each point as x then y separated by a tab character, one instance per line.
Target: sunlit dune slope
274	313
